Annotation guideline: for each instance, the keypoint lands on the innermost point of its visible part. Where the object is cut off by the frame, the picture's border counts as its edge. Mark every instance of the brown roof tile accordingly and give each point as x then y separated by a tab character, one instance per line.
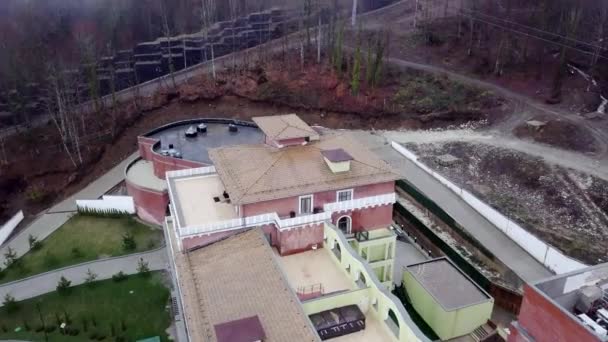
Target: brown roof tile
254	173
282	127
238	278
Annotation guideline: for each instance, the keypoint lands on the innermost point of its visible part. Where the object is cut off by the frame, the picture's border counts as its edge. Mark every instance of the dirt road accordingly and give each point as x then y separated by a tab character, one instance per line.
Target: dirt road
571	160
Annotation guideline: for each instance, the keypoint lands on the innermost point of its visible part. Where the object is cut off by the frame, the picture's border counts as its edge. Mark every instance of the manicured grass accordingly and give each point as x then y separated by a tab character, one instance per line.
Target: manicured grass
140	302
83	238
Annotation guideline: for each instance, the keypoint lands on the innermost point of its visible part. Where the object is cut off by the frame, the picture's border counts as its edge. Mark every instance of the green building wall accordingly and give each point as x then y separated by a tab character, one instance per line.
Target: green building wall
446	324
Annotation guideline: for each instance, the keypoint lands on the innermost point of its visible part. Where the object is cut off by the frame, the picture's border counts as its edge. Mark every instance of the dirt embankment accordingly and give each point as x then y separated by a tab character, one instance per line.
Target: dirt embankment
558	133
563	207
39	171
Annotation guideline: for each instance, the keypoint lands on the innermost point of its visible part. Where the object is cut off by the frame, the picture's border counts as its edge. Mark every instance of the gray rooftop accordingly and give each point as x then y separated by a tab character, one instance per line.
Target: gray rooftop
451	288
196	149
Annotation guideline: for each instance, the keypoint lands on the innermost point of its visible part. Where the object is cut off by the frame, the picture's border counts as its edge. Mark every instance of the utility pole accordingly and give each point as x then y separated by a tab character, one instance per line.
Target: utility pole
353	19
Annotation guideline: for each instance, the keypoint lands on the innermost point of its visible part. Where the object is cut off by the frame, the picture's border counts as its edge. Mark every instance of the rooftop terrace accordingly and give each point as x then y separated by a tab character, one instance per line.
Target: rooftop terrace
315	267
196	199
196	148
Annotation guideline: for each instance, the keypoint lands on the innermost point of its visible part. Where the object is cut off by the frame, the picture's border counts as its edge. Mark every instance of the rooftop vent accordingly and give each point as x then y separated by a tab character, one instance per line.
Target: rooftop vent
338	160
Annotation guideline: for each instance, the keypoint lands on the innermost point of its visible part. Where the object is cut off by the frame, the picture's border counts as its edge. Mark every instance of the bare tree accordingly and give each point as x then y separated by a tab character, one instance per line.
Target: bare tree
600	33
60	105
353	17
167	35
570	19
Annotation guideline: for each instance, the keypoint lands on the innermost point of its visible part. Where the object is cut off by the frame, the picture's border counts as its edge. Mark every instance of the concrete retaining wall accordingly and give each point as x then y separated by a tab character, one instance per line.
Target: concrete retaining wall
9	226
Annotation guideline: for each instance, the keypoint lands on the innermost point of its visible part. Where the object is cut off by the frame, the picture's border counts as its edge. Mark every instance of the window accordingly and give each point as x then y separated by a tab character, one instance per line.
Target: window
306	204
344	195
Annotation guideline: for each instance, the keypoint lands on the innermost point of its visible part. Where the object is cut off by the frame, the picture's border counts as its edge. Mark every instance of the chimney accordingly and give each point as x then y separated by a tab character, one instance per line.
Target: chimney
337	160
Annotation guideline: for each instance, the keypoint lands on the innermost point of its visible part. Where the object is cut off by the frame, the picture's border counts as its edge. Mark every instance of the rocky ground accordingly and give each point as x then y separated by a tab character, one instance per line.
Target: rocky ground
566	208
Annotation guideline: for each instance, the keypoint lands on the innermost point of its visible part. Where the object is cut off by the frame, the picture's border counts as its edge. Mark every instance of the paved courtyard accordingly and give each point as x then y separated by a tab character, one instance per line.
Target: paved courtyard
315	267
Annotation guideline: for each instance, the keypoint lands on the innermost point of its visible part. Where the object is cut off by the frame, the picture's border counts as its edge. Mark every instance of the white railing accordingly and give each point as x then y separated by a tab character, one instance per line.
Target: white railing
287	223
198	171
227	225
361	203
303	220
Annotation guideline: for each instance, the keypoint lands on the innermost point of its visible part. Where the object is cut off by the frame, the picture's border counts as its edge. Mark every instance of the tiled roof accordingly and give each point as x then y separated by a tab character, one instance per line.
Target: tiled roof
254	173
282	127
337	155
238	278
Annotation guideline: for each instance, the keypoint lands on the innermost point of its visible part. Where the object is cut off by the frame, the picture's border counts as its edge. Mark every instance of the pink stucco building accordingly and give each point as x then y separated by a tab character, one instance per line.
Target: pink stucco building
289	184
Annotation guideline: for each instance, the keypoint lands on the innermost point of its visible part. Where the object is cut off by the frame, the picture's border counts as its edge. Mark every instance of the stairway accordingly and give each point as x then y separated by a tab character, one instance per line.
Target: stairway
480	333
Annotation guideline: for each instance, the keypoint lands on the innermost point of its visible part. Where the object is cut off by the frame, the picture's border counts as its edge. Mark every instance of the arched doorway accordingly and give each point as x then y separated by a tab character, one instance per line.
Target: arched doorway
345	224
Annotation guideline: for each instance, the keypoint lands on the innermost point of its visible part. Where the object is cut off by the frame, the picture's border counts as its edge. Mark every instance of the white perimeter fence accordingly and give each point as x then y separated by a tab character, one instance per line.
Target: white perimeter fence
9	226
123	204
546	254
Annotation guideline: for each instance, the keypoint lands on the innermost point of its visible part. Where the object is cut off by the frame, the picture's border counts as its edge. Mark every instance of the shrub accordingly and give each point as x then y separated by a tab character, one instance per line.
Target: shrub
50	328
72	331
34	243
26	326
66	318
50	260
10	303
10	257
4	328
128	242
36	195
109	213
85	324
76	253
90	278
63	286
101	337
143	267
120	276
39	328
93	336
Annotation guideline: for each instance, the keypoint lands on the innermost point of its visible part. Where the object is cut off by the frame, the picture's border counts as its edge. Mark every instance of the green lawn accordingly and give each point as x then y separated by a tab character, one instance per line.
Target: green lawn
140	302
83	238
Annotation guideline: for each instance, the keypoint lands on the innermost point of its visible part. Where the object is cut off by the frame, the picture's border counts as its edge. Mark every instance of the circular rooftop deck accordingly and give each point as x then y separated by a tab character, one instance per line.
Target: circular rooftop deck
196	148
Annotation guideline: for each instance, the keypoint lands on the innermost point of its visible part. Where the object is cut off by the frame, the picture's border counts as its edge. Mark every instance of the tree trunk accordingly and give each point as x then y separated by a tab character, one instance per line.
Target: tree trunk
319	41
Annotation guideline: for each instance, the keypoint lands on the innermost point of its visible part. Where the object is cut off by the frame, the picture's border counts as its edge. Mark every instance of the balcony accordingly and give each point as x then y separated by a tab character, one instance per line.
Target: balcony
195	192
361	203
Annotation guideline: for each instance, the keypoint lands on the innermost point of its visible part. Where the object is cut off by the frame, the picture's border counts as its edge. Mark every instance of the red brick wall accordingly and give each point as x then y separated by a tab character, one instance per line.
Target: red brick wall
151	205
300	239
145	147
545	322
367	219
204	240
162	164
